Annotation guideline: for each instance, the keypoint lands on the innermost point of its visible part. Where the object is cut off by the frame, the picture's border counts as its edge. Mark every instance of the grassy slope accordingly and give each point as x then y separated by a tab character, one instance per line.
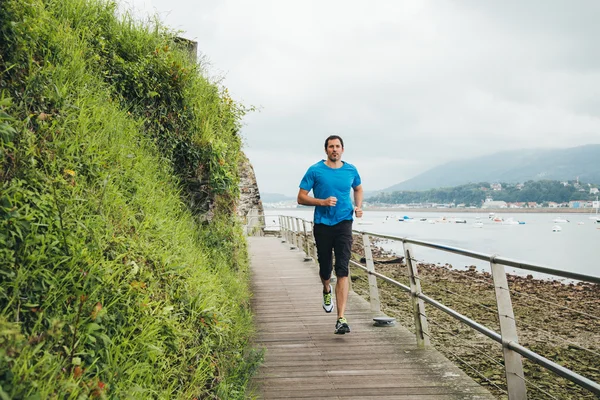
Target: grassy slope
108	285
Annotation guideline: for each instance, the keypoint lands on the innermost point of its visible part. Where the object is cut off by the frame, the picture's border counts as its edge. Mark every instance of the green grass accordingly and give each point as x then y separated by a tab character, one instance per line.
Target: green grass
110	284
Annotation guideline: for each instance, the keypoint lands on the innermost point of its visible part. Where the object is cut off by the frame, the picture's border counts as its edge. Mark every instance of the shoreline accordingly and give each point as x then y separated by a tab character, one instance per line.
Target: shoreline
488	210
563	210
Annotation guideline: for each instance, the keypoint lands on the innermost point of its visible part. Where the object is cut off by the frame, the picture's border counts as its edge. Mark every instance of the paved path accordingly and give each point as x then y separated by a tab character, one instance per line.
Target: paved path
305	359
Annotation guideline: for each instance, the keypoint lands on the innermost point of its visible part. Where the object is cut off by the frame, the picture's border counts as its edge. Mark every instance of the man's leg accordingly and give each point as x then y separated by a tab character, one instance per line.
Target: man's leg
324	244
341	295
343	250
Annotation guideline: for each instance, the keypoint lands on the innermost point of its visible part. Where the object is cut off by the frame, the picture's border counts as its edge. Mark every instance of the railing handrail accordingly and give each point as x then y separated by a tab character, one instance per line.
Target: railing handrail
489	257
494	260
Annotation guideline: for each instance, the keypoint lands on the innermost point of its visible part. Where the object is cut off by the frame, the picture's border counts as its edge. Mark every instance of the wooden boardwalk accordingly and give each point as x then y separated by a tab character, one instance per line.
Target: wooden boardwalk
305	359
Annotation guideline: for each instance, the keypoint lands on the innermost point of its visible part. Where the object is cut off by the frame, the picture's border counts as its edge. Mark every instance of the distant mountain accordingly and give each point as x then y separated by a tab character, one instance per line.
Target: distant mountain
275	197
512	167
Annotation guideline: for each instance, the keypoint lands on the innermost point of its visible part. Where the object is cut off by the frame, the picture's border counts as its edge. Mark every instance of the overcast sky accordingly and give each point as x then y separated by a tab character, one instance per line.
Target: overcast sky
408	84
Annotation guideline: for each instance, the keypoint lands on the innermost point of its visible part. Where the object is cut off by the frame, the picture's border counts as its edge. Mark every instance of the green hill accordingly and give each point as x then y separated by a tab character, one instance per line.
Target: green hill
512	167
111	285
473	194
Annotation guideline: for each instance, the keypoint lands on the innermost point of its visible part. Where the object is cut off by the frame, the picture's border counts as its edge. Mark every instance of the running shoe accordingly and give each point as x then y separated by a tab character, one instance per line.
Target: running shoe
341	326
328	301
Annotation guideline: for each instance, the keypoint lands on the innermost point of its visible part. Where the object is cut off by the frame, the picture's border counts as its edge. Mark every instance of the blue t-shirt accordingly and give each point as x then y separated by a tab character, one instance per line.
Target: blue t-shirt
325	182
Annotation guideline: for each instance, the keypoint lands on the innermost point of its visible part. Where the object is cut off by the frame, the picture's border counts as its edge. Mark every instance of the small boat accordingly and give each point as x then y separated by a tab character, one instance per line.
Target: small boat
556	228
521	222
460	221
560	220
510	221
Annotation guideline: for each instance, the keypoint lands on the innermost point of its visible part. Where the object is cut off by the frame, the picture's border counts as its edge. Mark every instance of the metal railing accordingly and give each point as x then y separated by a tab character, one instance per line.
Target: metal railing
293	230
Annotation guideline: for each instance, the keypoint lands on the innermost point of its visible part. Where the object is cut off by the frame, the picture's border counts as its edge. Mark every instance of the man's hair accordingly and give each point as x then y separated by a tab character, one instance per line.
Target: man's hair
333	137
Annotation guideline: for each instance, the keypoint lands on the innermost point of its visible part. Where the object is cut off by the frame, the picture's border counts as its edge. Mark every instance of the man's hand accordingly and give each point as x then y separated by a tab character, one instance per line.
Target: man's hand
358	211
330	201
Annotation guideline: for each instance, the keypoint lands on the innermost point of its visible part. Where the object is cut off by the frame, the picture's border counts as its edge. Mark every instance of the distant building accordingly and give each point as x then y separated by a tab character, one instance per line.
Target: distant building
496	186
565	183
594	190
494	204
552	204
577	203
520	186
532	204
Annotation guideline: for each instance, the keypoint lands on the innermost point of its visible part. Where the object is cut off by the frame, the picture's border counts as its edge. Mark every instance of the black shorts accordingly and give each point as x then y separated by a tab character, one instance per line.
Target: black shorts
337	238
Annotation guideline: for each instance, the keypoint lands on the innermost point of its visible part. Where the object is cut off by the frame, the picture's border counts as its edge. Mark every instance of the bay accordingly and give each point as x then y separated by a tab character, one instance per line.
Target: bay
576	248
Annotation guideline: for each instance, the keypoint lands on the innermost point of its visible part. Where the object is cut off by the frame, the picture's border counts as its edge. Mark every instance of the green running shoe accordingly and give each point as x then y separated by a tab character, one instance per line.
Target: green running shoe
328	301
341	326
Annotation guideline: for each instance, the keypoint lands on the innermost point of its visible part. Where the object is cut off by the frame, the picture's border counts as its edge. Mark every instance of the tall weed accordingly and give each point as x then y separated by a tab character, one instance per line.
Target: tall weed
109	287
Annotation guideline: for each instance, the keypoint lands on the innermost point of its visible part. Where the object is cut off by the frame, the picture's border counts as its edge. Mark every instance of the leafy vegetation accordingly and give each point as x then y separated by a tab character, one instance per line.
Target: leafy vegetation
113	146
474	194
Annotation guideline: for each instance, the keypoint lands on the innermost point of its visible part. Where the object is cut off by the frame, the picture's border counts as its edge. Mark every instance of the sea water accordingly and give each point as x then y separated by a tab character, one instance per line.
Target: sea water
576	248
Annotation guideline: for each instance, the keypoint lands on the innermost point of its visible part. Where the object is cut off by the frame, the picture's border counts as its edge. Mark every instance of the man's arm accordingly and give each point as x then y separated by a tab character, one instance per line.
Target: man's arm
358	199
306	200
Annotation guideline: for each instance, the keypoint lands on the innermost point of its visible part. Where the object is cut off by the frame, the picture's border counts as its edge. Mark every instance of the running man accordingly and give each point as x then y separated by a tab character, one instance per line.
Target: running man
331	181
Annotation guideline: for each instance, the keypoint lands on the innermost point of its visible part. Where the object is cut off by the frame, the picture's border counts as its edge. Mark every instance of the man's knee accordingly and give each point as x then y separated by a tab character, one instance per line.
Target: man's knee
325	276
341	271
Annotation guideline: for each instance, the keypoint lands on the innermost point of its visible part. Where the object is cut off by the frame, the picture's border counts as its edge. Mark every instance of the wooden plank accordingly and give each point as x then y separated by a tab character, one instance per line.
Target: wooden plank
305	359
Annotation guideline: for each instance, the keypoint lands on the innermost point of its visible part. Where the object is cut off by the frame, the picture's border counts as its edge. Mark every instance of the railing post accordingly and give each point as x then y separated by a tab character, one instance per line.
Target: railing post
313	242
513	365
418	305
288	222
294	238
306	242
373	290
300	241
287	229
283	228
280	227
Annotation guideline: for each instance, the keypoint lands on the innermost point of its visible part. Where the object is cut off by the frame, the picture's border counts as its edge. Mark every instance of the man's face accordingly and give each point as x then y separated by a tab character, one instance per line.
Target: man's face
334	150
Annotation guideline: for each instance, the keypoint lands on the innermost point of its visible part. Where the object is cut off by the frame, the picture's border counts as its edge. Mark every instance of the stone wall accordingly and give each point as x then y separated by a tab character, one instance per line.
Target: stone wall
250	208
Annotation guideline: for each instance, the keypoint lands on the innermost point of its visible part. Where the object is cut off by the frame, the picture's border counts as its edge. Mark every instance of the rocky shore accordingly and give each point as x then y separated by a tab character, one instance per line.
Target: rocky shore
560	321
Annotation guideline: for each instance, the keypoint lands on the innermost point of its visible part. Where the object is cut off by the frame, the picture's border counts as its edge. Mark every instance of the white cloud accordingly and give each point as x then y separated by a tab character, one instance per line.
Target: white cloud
408	84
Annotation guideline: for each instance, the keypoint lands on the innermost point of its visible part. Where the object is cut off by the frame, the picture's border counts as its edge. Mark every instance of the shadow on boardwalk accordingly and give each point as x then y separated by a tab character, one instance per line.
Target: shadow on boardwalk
305	359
